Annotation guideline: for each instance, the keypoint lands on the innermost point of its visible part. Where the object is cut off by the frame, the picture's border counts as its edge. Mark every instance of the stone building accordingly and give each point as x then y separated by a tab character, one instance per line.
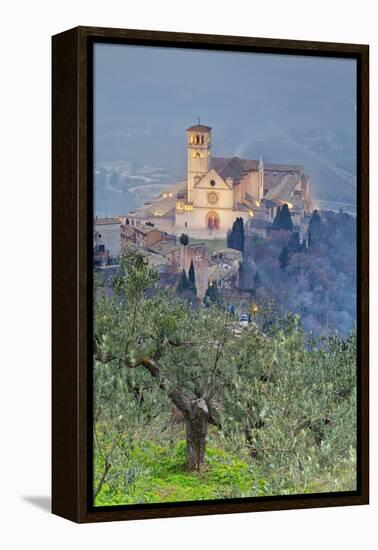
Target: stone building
179	257
224	268
143	235
217	190
199	255
171	251
107	236
256	226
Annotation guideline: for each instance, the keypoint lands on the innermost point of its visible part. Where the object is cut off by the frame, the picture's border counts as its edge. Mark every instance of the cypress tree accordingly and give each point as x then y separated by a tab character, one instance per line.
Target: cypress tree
285	218
183	284
229	238
235	237
191	274
277	219
284	257
192	278
242	237
314	229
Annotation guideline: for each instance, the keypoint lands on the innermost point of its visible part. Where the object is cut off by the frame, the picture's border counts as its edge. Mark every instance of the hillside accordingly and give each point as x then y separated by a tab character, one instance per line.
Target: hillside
318	282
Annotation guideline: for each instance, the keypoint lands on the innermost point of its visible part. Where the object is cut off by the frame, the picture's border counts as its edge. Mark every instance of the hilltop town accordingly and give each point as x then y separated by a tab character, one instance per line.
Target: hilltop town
204	206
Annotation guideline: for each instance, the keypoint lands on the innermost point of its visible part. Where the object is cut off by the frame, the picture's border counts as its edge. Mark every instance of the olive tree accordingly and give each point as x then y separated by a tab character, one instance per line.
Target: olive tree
273	392
181	351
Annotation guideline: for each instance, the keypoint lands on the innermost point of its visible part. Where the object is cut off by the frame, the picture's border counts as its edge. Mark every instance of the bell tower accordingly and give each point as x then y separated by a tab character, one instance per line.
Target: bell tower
199	154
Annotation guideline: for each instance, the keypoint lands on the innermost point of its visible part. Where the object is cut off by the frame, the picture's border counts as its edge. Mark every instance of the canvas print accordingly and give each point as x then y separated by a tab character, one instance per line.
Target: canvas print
224	275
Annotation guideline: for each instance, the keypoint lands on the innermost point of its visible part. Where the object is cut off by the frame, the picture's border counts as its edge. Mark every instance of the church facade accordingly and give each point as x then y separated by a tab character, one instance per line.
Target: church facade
219	190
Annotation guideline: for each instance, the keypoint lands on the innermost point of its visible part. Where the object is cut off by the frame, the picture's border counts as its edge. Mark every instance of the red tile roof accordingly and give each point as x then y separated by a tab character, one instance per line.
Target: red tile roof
233	167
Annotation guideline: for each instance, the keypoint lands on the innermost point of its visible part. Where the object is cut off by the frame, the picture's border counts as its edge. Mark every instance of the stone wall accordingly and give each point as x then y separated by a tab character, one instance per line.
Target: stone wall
196	222
198	253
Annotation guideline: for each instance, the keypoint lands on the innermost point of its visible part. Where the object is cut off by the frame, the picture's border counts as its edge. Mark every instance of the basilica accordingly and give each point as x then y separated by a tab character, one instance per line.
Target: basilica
218	190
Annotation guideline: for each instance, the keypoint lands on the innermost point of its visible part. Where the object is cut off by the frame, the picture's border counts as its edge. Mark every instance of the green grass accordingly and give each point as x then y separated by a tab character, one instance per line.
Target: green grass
152	473
162	478
342	477
213	245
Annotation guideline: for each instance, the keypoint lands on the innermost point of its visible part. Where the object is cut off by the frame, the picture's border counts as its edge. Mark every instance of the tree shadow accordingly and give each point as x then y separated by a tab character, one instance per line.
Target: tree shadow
42	502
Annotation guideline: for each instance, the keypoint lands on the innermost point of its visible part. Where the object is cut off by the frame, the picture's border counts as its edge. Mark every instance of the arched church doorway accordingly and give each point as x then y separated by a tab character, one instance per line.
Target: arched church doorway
212	220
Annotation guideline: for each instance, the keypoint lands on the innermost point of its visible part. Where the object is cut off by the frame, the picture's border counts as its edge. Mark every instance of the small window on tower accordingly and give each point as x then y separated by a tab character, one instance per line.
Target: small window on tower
212	183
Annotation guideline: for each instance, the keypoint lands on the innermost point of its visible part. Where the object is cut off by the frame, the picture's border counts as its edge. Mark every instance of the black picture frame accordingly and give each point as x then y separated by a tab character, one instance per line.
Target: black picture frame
72	197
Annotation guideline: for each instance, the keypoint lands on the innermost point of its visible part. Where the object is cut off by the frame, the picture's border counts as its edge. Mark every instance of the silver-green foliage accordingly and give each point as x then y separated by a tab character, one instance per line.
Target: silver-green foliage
284	403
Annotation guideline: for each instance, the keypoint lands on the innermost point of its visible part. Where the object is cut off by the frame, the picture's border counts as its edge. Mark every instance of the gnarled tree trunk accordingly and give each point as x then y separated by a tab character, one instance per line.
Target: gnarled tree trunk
196	419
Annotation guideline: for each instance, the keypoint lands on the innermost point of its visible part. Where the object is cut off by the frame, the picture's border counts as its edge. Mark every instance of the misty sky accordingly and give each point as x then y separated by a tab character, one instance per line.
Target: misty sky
276	106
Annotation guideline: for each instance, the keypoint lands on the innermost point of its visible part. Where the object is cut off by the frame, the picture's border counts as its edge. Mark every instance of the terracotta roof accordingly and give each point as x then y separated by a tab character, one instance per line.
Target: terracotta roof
128	231
236	167
199	128
233	167
250	165
164	247
145	229
154	258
